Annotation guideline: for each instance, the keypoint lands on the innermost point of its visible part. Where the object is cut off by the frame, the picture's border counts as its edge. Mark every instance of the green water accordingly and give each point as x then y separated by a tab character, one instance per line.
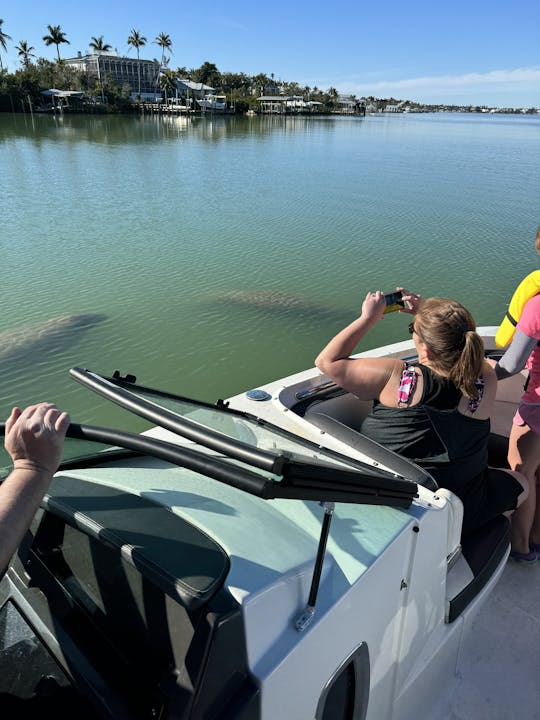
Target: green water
156	223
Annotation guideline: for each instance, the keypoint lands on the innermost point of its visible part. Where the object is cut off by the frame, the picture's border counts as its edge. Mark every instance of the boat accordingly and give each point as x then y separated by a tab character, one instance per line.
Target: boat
258	558
212	103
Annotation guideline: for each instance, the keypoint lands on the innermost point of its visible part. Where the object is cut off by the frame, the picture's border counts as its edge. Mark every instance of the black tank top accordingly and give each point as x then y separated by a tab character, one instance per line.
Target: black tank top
434	434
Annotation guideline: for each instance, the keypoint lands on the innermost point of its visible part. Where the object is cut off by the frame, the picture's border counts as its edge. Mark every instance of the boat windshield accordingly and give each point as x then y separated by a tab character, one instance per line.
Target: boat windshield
230	432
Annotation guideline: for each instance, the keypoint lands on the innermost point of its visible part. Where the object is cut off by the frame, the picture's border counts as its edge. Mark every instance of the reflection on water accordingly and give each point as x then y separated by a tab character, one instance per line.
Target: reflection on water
224	251
148	128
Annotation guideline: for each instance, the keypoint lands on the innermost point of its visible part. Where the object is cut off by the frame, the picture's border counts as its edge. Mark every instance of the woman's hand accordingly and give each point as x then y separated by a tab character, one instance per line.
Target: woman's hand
373	306
412	301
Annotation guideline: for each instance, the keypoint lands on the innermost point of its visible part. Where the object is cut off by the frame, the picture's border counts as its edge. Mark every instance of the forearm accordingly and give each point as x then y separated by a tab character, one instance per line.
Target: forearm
342	345
516	356
20	496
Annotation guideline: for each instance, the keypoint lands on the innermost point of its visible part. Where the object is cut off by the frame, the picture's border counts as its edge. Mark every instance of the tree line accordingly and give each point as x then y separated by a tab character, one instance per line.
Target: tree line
36	74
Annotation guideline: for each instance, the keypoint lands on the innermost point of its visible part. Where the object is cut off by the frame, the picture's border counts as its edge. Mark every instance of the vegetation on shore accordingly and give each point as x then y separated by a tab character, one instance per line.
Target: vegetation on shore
21	89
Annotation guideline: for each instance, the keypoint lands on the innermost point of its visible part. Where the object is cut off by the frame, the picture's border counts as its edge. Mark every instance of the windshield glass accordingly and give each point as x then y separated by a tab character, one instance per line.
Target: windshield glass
243	428
230	433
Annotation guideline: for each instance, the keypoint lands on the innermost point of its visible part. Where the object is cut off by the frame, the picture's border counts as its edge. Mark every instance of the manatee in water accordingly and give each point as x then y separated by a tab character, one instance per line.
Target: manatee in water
27	340
282	302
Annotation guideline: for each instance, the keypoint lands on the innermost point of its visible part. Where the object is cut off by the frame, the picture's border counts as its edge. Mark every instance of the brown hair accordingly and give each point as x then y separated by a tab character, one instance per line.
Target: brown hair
455	348
537	242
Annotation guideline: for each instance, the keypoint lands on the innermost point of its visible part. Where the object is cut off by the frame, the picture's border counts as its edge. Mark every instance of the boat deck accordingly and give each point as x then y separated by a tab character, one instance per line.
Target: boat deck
499	677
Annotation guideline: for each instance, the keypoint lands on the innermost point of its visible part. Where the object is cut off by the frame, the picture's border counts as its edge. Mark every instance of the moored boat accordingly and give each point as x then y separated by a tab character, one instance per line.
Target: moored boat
212	103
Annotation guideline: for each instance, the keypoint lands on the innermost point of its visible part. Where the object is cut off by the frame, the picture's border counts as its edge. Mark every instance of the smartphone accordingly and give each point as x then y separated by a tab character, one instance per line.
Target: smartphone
393	302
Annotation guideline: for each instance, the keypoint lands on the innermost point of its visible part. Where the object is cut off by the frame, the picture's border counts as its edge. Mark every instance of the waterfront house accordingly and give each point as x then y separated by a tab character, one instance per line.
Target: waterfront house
399	107
272	104
349	105
122	71
188	91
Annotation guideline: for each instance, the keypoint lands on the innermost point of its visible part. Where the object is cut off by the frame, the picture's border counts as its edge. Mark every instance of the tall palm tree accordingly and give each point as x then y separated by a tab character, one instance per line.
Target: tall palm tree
55	37
4	37
25	52
98	45
165	43
137	40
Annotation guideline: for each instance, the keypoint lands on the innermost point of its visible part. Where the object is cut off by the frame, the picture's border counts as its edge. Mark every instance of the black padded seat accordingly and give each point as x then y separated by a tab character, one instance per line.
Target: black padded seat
179	558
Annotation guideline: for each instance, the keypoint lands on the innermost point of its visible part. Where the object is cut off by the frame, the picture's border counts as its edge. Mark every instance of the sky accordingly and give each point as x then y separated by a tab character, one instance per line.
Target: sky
464	52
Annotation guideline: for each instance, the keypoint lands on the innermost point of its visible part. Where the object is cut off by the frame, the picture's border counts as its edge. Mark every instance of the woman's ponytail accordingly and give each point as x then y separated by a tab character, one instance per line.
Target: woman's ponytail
468	367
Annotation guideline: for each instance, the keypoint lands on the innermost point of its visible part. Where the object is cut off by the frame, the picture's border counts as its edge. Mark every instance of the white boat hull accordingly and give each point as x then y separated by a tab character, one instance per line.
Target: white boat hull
235	570
427	668
212	104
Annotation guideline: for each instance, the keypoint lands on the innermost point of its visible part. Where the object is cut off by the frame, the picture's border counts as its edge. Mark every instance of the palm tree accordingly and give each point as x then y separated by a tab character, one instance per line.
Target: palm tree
25	52
55	37
137	41
165	43
98	45
4	37
167	82
332	95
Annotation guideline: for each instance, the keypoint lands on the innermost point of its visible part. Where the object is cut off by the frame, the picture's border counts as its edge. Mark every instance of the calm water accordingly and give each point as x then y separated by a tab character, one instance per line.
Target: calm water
222	253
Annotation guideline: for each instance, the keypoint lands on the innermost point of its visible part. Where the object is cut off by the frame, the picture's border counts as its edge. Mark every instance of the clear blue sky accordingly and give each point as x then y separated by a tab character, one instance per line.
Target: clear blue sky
484	52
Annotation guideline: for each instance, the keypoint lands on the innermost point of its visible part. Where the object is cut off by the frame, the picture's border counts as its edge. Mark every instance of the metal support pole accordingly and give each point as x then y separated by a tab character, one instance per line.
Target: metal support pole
307	616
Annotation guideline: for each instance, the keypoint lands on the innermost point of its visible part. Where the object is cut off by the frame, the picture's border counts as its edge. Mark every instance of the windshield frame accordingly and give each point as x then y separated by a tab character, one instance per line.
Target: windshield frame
334	477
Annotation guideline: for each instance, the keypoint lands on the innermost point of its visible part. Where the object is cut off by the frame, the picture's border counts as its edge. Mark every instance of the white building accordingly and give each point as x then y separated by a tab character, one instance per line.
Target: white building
142	76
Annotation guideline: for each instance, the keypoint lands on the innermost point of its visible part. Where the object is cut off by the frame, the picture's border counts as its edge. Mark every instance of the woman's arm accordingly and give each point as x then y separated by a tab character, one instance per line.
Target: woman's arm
515	357
364	377
526	336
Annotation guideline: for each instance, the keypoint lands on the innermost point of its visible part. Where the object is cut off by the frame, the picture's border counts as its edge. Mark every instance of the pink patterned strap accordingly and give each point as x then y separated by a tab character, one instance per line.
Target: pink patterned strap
475	402
407	384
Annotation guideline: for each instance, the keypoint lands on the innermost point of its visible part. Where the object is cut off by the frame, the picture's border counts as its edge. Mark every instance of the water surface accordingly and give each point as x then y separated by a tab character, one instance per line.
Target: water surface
221	253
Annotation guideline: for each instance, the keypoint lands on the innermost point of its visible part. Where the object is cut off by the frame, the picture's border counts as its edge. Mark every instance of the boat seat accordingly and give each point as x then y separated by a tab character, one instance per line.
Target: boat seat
345	408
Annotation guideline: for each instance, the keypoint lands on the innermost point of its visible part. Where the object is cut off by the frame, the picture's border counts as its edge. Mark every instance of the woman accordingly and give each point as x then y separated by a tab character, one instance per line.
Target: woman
524	445
437	412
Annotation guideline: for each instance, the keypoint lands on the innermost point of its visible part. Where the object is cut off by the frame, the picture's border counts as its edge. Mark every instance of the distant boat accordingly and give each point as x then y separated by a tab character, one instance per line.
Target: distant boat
214	103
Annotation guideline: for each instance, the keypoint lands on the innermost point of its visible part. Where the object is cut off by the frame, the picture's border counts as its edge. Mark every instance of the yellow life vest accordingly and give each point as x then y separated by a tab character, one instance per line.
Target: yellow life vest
527	288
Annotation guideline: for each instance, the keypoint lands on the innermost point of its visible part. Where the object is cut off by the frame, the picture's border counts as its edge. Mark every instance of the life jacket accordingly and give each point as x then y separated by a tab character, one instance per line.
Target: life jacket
527	288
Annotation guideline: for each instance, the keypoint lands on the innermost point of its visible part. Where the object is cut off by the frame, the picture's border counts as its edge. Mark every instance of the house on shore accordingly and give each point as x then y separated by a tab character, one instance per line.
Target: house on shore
398	108
187	91
349	105
124	72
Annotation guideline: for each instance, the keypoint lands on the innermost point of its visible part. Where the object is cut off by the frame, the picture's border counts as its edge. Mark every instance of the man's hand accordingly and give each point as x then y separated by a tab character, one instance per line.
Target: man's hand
35	437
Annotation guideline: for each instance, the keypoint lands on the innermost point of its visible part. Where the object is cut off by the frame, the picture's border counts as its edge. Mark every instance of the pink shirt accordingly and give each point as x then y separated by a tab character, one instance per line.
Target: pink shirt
529	323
